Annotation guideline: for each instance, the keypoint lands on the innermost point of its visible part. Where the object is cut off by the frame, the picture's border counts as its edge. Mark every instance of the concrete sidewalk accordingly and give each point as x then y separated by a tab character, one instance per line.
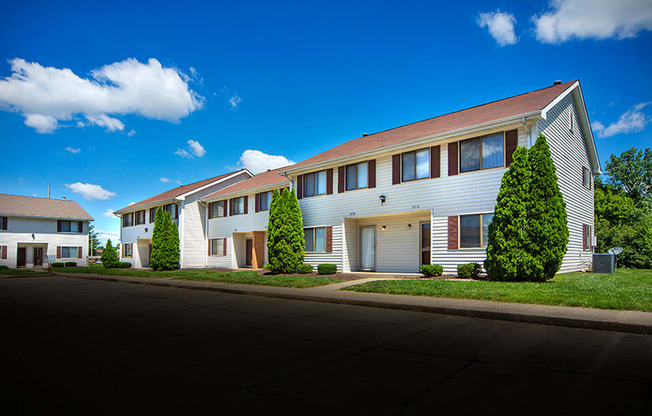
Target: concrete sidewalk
600	319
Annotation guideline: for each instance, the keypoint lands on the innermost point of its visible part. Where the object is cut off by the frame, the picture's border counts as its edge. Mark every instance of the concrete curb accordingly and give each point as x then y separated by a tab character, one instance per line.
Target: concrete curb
598	319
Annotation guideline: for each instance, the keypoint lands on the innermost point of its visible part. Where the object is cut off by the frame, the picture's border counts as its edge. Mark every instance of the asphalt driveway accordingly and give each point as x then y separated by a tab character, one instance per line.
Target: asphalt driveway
79	346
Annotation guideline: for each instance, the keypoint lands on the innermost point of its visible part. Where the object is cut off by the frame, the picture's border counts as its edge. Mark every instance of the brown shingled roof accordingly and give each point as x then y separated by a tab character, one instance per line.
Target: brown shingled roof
271	177
493	111
30	206
180	190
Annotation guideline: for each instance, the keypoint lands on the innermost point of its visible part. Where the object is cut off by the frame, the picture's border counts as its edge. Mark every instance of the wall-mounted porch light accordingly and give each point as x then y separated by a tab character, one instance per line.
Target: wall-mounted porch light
384	227
409	226
382	199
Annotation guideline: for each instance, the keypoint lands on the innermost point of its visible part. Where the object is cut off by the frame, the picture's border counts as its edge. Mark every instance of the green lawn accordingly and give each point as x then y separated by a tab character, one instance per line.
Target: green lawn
22	272
245	277
626	290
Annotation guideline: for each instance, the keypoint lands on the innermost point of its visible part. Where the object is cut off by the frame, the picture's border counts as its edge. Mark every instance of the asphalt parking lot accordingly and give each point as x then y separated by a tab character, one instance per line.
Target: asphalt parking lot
78	346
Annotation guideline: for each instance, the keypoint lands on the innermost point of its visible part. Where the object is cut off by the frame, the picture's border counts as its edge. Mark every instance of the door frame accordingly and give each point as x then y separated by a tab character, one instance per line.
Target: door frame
249	251
24	249
421	242
42	251
373	269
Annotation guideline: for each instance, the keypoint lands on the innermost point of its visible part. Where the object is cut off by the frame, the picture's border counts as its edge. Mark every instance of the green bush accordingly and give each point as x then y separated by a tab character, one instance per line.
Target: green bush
304	269
109	256
57	264
326	268
267	266
432	270
4	267
70	264
165	242
468	270
285	238
123	265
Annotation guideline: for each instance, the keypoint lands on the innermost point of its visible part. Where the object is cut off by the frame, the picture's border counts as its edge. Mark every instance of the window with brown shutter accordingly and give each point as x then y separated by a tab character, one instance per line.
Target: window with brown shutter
396	169
586	178
371	173
299	186
329	181
81	225
79	252
58	226
452	232
257	203
435	161
511	142
3	223
452	158
217	247
58	252
152	214
340	179
4	253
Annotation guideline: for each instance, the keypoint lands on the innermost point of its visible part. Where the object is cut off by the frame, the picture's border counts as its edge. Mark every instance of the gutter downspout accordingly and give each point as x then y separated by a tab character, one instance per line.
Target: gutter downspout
290	180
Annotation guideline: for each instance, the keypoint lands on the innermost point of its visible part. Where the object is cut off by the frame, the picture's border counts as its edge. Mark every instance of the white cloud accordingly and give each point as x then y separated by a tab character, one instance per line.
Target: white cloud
235	100
257	161
131	203
193	149
46	96
73	150
632	121
108	213
90	192
131	133
165	180
500	25
593	19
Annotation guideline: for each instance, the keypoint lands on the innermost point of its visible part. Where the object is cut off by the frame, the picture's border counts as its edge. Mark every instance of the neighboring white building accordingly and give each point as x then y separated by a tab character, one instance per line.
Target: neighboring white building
425	192
137	220
236	221
33	228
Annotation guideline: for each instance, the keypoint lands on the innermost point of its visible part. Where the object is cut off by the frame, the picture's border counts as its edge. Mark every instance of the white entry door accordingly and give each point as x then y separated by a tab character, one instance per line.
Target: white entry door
367	248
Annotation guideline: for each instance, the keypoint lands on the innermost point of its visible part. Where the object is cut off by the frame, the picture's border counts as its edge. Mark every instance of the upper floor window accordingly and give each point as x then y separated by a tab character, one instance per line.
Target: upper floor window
217	209
474	230
127	220
314	183
173	209
481	153
356	176
64	226
238	206
264	201
315	238
586	178
152	214
139	217
586	237
3	223
415	165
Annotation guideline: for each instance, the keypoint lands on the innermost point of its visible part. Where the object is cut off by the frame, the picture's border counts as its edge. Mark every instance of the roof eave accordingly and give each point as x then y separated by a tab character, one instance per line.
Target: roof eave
415	142
48	217
243	192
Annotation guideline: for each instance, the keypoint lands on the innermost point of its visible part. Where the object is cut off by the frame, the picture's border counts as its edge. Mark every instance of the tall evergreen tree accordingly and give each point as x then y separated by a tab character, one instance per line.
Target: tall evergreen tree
165	242
109	257
507	257
547	225
285	239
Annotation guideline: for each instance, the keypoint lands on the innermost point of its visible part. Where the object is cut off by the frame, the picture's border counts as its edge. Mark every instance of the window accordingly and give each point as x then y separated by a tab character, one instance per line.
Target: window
314	183
415	165
264	201
3	223
69	252
356	176
315	238
570	121
69	226
217	247
152	214
586	237
139	217
238	205
127	220
173	209
474	230
127	250
481	153
216	209
586	178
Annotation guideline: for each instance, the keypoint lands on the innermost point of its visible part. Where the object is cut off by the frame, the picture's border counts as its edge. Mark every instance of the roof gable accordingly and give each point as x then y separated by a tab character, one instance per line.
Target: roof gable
269	179
29	206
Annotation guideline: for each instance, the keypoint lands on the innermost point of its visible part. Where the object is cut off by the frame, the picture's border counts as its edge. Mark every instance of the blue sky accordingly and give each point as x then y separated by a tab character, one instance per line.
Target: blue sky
288	78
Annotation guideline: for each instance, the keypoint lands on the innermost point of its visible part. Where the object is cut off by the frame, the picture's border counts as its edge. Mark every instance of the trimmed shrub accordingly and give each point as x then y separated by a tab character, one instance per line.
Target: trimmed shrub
266	266
304	269
165	242
4	267
57	264
432	270
70	264
109	256
326	268
468	270
123	265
